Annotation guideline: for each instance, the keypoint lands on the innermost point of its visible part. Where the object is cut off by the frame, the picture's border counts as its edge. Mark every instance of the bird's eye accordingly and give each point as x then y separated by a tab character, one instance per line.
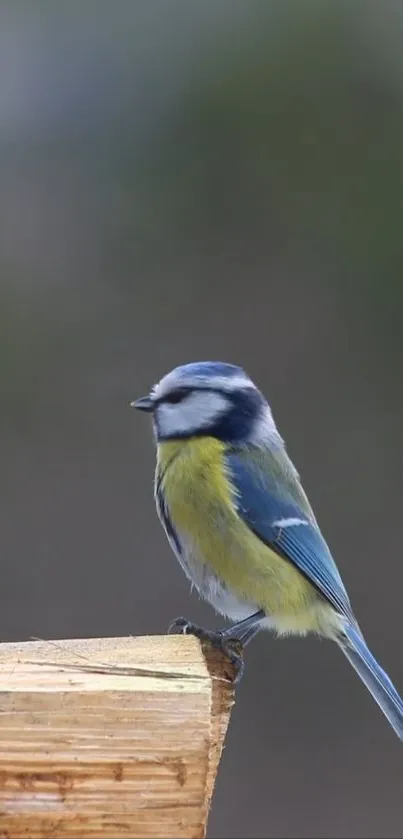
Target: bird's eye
175	396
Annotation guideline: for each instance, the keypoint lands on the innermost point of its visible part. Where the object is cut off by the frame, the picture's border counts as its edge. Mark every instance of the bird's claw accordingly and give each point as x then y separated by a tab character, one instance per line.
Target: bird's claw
231	648
180	625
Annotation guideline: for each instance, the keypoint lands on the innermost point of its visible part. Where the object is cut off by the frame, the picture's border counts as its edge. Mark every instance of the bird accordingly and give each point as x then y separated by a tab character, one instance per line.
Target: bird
237	518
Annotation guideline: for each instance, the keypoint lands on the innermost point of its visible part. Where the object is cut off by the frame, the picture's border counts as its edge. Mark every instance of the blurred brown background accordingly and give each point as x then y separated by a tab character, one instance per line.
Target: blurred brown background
183	181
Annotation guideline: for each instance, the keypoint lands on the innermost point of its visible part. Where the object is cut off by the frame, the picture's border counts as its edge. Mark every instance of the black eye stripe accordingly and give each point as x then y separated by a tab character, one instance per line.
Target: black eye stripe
175	396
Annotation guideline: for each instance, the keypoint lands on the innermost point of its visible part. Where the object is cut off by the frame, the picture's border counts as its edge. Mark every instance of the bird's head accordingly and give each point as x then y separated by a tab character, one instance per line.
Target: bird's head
209	398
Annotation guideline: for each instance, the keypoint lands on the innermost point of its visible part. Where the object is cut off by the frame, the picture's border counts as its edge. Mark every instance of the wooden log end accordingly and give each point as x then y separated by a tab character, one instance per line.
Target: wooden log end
110	737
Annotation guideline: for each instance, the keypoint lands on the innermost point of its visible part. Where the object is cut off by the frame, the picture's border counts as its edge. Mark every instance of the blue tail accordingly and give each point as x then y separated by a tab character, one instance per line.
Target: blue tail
378	683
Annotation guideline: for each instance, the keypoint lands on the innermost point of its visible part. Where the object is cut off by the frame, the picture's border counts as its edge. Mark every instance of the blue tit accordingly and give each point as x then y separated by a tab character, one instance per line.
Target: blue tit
240	523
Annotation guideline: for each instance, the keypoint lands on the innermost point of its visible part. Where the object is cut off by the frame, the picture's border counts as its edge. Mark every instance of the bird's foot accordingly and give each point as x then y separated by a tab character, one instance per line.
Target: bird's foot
231	648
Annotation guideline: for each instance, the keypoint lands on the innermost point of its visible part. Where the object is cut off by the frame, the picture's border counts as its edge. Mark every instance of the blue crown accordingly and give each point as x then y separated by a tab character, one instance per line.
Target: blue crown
209	369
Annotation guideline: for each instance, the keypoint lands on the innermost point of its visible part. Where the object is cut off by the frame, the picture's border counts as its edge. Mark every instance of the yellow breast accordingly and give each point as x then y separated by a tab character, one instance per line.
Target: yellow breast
200	500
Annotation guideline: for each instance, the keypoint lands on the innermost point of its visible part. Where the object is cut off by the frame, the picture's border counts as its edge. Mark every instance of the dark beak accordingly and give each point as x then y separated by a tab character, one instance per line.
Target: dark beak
145	403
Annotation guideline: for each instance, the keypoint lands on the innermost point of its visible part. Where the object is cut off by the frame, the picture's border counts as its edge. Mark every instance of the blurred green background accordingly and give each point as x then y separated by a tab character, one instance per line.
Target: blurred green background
182	181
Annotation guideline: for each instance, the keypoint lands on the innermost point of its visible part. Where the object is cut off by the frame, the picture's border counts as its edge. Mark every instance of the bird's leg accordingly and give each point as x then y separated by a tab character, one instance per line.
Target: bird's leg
245	630
229	641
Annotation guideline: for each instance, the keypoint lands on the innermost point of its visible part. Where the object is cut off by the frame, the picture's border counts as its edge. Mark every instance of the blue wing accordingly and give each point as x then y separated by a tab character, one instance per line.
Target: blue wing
262	502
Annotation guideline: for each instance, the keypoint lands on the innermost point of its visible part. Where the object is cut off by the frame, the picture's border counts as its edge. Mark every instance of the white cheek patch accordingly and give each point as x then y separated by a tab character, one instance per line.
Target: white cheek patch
195	412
